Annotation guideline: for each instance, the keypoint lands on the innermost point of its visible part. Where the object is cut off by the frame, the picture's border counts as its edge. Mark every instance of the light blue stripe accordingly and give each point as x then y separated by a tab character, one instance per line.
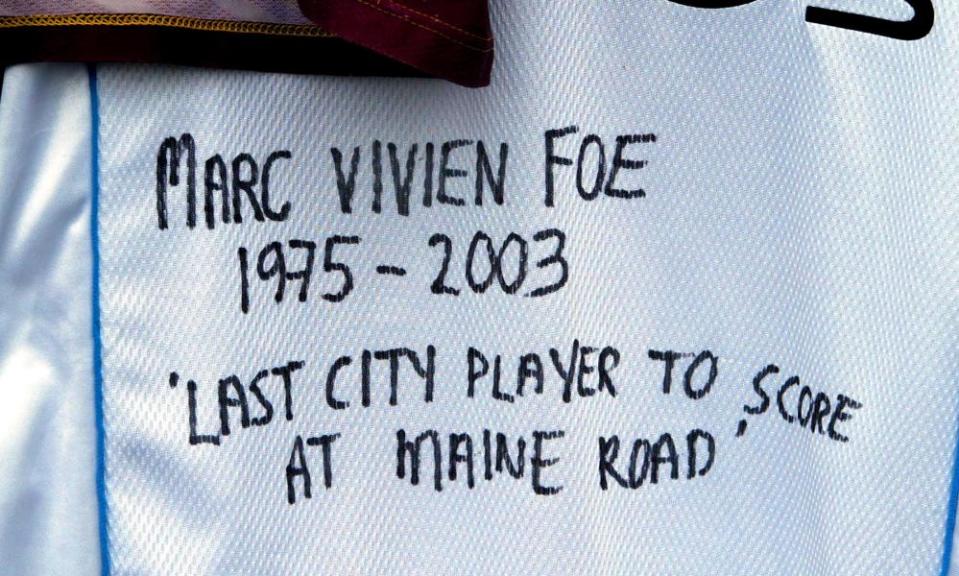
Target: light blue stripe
951	511
97	341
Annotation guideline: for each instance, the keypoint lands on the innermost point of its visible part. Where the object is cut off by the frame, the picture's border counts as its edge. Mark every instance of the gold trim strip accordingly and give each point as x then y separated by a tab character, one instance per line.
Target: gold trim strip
162	20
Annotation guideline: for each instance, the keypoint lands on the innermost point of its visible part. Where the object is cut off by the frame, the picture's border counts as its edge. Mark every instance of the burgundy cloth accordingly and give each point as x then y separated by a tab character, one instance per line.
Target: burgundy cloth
445	38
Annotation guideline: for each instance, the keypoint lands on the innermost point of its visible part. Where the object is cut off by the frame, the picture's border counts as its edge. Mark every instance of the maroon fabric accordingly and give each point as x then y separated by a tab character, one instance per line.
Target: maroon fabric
445	38
171	45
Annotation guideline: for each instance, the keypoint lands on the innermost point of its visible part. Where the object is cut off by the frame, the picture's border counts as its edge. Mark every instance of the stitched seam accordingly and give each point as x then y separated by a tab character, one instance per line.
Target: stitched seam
427	28
402	6
201	24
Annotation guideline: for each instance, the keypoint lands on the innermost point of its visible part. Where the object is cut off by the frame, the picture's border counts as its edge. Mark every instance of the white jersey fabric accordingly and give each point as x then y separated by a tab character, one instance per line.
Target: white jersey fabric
792	263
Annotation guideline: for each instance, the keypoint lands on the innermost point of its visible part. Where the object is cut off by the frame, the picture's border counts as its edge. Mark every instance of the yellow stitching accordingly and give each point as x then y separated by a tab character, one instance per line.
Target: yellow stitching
428	29
444	22
202	24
